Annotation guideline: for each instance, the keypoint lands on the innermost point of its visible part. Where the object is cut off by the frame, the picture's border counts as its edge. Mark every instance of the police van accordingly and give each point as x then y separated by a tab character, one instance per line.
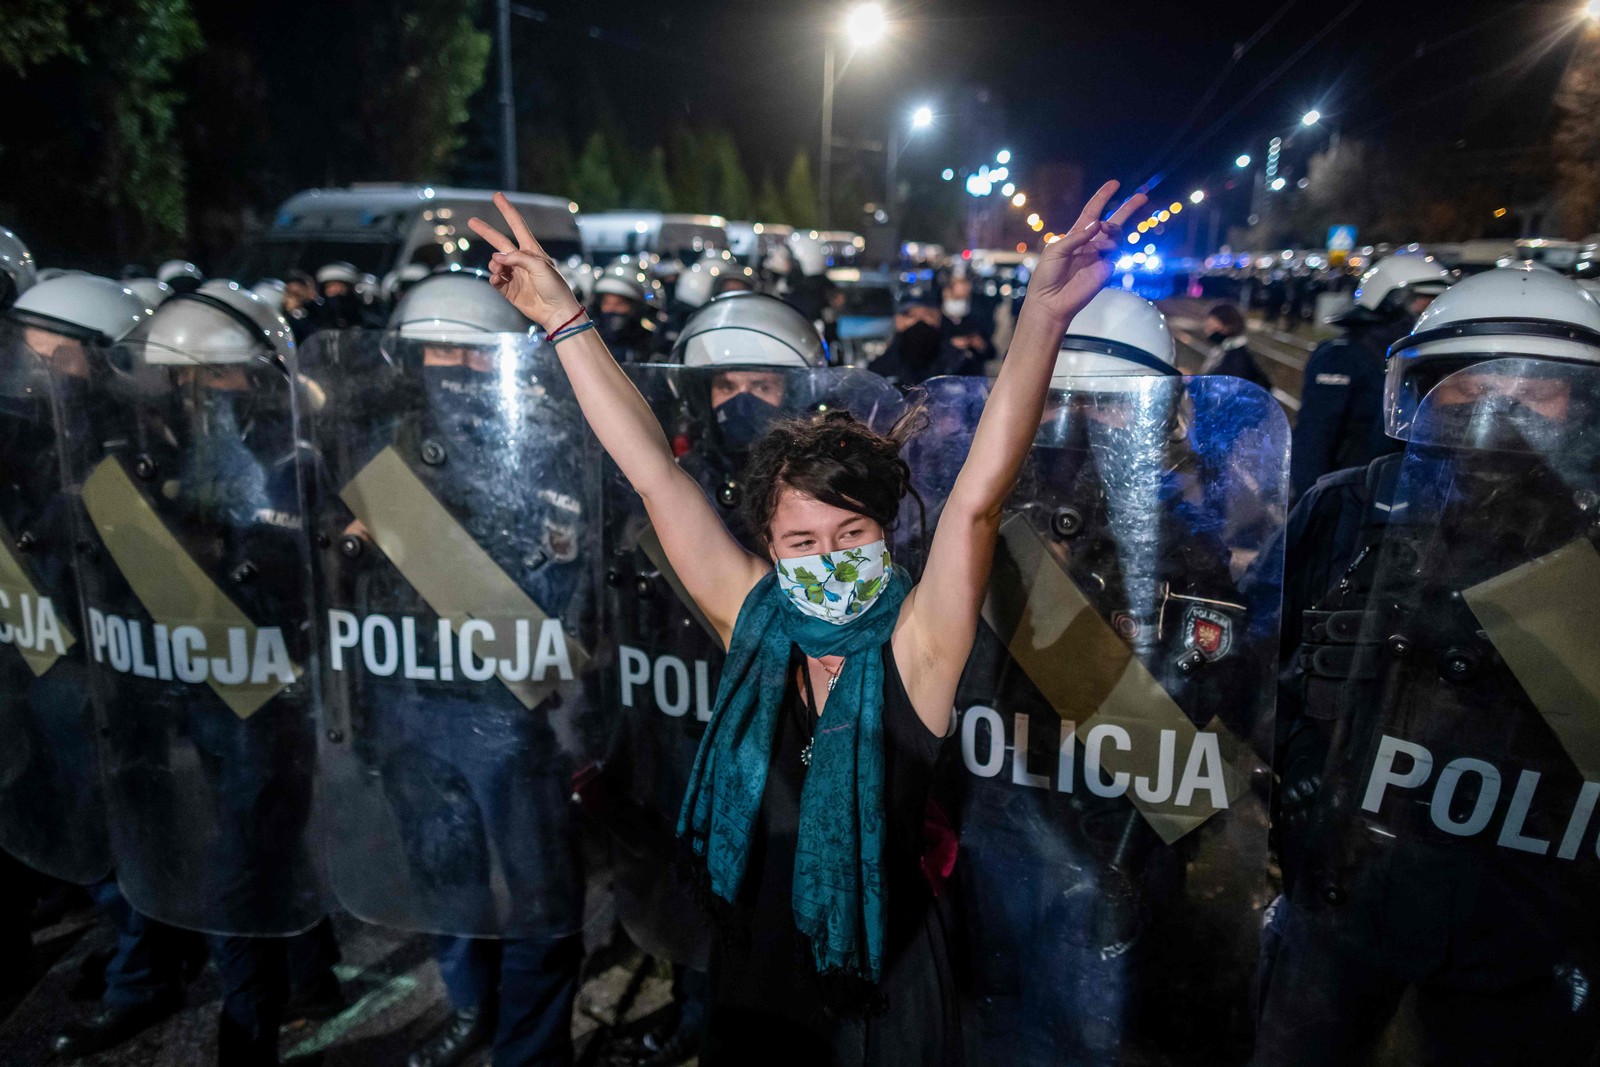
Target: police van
609	234
382	227
751	241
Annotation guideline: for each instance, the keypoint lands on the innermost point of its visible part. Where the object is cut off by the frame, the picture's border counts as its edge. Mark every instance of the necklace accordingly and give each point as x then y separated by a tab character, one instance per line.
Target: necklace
811	709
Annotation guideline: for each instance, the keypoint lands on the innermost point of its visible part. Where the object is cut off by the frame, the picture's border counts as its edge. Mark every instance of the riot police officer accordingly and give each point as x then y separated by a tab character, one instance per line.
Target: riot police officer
52	813
189	464
624	311
339	286
455	501
1096	883
1427	646
1339	423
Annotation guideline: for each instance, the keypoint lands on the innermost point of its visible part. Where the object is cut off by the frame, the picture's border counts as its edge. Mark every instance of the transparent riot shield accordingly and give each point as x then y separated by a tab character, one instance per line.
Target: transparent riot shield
1447	907
1115	720
454	519
193	572
52	811
668	657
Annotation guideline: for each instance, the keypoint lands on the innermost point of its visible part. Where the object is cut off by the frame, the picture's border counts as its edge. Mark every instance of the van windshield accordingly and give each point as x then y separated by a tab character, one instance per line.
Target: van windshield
477	254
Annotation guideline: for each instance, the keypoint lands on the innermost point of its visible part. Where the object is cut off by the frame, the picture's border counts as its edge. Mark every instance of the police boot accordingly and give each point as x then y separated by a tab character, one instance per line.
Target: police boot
465	1033
111	1027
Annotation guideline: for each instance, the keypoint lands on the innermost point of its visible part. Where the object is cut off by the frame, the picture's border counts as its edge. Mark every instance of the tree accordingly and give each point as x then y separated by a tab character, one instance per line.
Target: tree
421	61
730	187
34	32
594	183
129	50
769	206
652	190
800	193
691	171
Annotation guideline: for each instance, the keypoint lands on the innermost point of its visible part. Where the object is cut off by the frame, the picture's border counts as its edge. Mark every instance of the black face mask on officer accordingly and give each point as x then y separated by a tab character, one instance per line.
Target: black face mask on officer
1216	337
462	396
743	419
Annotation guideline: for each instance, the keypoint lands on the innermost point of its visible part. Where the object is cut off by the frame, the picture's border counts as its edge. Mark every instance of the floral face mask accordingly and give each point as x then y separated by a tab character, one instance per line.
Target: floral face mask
839	586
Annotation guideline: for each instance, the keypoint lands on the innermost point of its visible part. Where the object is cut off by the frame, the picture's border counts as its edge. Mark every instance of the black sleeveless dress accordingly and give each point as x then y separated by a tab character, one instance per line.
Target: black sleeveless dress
766	1002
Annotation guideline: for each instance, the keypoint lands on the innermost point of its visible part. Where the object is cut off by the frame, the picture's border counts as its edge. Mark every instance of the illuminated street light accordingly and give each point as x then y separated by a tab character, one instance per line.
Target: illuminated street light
1033	218
947	174
999	174
1242	162
1199	194
1019	199
1311	118
1133	238
1278	184
1174	207
1592	10
1007	189
1163	215
1003	156
865	24
922	118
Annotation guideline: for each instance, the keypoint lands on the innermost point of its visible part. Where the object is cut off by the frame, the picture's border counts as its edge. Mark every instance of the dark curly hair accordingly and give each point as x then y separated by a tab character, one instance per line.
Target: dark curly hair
834	458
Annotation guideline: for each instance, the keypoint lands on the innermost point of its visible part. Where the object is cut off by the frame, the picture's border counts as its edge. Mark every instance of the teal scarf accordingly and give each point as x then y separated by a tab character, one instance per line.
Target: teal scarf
838	881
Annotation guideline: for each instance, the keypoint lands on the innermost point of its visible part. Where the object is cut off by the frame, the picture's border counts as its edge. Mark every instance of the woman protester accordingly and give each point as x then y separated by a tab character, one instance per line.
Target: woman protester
805	811
1230	352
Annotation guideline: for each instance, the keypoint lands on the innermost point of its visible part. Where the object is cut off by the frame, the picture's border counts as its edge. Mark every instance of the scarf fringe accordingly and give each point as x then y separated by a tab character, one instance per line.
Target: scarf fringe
732	921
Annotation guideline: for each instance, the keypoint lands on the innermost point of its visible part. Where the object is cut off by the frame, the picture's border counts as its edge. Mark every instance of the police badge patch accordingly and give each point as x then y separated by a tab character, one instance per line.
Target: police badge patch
1207	631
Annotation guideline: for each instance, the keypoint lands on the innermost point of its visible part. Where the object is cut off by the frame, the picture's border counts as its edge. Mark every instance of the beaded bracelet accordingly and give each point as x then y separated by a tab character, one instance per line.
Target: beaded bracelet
558	337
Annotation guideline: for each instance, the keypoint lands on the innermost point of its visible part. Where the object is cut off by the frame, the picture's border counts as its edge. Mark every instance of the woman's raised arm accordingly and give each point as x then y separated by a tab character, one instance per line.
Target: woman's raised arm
943	610
714	568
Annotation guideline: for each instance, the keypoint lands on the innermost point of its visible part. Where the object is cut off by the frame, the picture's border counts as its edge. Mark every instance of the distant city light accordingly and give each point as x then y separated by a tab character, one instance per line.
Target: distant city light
947	174
1311	118
1036	225
1242	162
1007	189
1150	249
1278	184
1199	194
1000	174
1133	238
1003	156
1033	218
1163	215
922	117
1177	208
1019	199
979	184
1500	212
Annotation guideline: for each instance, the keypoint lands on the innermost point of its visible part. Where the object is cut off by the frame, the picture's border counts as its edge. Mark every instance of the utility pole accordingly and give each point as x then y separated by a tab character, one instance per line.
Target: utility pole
508	101
825	186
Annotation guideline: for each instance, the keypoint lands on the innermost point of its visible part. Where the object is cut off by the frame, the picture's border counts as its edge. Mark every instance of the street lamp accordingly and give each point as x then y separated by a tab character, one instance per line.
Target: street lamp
1197	196
864	25
1592	10
1278	184
1311	118
1003	156
922	118
1242	162
1019	200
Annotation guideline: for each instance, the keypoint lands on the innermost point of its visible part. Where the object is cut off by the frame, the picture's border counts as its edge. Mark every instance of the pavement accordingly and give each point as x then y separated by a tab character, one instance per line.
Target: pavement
396	1001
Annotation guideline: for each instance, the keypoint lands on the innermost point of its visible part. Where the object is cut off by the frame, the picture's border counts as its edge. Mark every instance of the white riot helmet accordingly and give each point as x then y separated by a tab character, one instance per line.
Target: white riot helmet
626	280
579	277
778	260
271	290
17	270
749	329
1518	313
398	282
699	283
182	275
809	253
458	308
339	271
154	293
1390	284
1116	334
219	323
85	306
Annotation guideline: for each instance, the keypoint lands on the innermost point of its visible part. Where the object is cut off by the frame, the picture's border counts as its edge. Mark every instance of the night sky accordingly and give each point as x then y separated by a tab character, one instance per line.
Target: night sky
1103	84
